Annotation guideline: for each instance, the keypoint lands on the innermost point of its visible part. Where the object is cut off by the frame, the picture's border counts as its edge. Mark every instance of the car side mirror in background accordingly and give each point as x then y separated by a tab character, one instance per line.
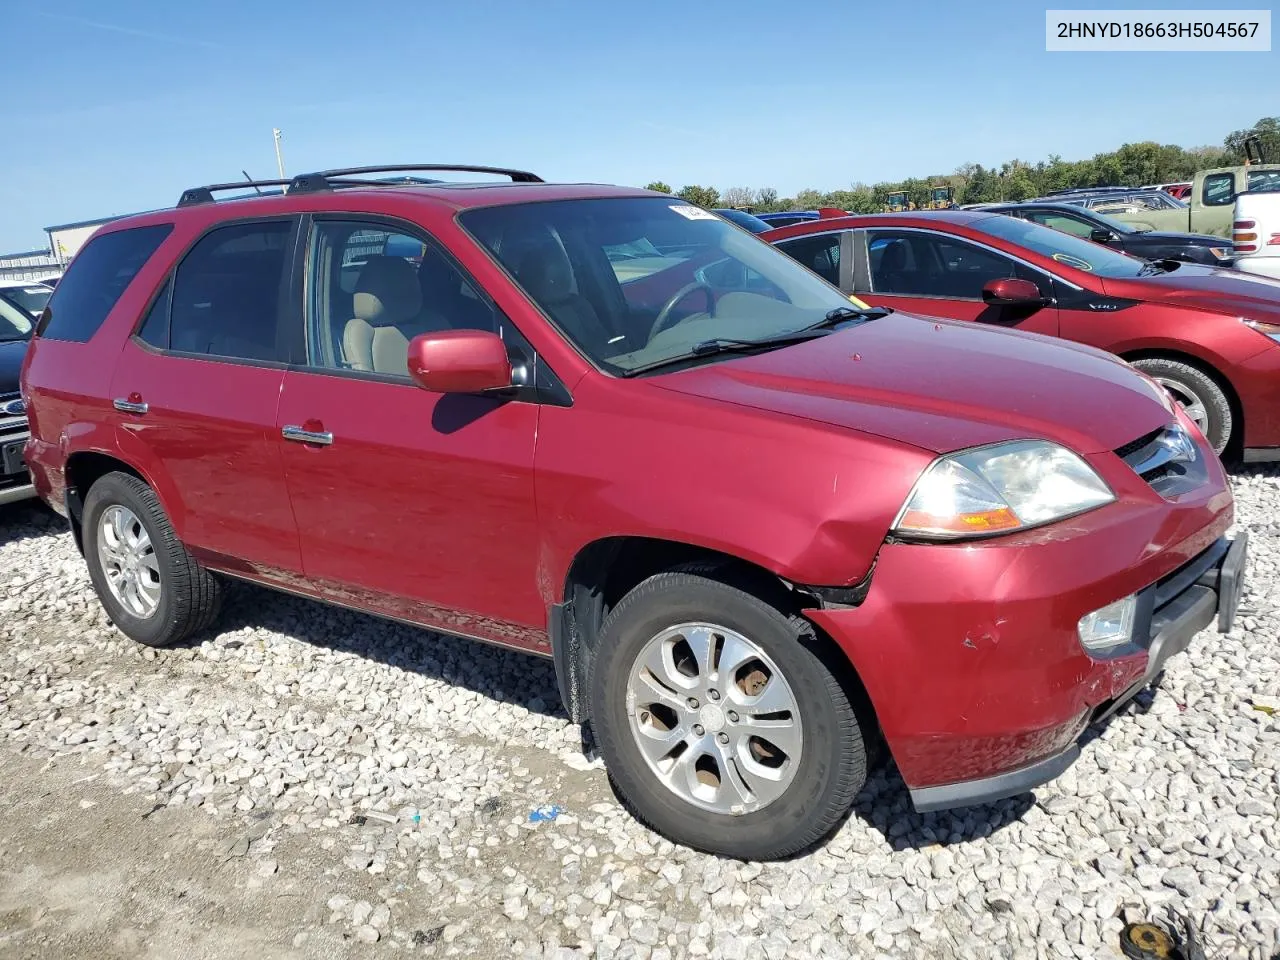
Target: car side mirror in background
459	361
1101	235
1011	291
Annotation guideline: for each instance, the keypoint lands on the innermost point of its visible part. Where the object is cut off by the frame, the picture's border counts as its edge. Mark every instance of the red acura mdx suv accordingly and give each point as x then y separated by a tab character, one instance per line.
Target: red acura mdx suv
757	527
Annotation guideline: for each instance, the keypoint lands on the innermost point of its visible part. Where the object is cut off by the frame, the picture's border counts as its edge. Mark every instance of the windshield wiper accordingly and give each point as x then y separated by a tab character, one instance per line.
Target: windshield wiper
708	348
1153	267
841	314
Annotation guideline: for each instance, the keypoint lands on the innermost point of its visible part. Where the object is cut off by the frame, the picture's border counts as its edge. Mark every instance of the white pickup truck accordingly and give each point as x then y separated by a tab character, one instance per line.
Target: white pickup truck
1255	231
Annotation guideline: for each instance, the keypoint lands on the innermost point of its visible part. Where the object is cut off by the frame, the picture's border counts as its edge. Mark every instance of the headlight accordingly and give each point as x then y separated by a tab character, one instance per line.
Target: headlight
1271	330
1000	489
1222	253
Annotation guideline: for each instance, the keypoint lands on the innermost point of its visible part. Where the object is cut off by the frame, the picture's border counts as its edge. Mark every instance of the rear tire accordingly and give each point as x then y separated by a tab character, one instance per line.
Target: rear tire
793	756
1198	394
151	587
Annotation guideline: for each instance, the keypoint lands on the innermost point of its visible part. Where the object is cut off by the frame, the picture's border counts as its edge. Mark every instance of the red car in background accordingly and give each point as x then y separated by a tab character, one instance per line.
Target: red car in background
1208	335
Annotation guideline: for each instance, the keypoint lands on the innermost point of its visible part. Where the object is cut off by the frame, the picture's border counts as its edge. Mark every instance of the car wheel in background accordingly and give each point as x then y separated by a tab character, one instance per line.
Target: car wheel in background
1198	395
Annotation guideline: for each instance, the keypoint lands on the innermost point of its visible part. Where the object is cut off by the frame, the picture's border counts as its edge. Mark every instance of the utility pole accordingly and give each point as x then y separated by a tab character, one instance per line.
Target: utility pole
275	132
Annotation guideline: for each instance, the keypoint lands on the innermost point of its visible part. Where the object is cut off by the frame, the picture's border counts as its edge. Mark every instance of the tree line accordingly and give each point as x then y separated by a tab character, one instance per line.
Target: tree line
1132	165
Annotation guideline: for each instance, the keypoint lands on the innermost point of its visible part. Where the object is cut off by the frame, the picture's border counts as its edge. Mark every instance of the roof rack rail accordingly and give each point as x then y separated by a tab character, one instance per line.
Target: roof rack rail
328	179
194	195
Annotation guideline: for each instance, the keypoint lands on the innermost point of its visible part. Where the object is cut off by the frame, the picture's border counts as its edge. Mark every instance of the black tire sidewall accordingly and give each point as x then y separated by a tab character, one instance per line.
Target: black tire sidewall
1216	404
158	629
788	823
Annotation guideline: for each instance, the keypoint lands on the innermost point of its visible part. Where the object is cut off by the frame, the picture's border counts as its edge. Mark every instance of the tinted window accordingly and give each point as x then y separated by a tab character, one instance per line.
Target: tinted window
821	254
1058	221
155	328
914	263
638	281
1218	189
1065	249
96	278
31	299
227	293
15	324
372	289
1264	181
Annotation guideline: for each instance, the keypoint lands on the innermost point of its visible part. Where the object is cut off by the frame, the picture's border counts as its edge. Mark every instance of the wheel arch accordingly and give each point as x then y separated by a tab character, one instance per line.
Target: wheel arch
83	468
605	570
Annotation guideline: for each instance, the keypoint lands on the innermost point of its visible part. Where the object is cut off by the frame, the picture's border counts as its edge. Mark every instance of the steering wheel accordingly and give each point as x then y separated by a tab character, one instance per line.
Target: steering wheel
660	323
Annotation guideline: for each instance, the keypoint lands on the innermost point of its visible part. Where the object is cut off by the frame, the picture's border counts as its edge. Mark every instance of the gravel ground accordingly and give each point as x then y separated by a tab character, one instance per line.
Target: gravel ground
307	782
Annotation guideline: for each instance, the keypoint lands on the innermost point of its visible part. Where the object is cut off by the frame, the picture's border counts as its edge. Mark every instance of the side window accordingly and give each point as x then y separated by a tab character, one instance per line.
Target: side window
226	293
96	278
155	328
371	289
1066	224
931	265
821	254
1218	190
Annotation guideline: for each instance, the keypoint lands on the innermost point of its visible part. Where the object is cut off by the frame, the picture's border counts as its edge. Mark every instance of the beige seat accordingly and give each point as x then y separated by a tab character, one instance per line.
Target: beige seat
387	301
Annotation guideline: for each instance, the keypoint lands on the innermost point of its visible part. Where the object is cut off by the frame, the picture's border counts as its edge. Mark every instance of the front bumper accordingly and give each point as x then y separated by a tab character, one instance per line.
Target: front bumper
15	480
969	652
1171	612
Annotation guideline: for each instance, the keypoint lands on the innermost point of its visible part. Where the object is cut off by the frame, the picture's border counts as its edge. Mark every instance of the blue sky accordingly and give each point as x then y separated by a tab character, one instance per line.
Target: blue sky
114	108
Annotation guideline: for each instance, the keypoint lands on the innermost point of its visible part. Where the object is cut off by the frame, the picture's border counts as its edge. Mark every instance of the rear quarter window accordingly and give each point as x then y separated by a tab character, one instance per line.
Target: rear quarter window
95	280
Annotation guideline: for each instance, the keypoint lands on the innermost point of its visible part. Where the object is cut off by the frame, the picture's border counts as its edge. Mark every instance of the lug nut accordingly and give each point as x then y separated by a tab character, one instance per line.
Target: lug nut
733	716
722	737
698	730
693	703
713	694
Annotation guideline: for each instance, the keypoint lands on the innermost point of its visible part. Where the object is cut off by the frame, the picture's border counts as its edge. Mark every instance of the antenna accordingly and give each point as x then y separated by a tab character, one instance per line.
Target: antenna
275	132
251	183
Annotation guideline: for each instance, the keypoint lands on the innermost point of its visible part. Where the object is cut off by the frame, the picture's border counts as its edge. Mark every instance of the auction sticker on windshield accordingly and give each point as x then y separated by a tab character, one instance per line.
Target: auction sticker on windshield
690	212
1076	262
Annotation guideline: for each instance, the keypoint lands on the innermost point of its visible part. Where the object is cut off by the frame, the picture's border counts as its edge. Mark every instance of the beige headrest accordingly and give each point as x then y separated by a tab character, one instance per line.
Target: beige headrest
387	292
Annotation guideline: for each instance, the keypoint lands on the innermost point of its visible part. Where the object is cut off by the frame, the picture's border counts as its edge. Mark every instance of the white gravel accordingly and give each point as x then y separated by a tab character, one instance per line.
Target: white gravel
414	762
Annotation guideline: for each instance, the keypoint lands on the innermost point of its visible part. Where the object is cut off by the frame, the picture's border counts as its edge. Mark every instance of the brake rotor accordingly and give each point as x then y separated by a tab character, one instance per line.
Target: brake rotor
1145	941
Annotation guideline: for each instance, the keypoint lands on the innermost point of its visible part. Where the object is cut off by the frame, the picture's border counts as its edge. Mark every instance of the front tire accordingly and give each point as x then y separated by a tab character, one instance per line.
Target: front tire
151	587
720	721
1198	394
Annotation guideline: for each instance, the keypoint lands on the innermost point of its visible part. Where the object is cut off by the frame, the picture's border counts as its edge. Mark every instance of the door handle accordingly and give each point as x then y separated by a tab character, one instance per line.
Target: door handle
306	436
130	406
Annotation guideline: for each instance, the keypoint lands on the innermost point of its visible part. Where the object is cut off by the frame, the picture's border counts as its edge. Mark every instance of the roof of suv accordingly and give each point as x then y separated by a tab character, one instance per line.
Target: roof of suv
304	192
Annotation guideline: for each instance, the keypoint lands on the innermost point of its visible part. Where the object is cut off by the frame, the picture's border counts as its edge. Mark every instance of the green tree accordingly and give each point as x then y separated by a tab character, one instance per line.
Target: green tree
702	196
767	200
739	197
1267	129
659	186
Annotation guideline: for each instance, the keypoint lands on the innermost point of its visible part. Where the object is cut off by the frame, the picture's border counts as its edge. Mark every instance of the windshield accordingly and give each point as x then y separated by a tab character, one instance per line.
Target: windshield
636	281
1113	224
1264	181
15	323
1063	247
31	299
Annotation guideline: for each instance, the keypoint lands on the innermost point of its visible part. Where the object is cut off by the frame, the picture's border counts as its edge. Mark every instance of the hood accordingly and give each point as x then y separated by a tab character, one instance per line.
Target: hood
11	354
1216	289
942	385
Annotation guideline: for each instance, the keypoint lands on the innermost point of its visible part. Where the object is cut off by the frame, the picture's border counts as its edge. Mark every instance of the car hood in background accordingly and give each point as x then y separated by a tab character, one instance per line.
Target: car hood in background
942	385
1218	289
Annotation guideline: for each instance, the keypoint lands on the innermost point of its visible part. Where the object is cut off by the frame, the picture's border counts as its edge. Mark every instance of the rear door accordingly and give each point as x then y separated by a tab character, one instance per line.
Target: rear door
930	273
412	504
197	387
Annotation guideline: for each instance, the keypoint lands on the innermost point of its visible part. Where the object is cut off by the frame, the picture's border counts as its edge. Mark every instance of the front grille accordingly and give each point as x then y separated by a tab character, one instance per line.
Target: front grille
1167	459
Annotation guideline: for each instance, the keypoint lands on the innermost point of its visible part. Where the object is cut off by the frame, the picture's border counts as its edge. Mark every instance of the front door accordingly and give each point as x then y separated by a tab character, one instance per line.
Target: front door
196	390
930	273
412	504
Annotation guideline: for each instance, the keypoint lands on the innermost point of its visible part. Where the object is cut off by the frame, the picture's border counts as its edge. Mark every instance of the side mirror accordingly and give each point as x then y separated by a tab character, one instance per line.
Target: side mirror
1010	292
1101	235
459	361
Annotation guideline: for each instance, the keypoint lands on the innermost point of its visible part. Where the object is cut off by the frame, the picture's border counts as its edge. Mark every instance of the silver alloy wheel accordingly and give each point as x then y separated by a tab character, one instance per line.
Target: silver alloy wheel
714	718
129	561
1191	402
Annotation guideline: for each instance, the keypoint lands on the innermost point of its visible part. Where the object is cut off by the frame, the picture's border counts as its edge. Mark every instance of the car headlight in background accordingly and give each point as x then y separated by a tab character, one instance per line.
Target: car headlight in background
999	489
1271	330
1222	253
